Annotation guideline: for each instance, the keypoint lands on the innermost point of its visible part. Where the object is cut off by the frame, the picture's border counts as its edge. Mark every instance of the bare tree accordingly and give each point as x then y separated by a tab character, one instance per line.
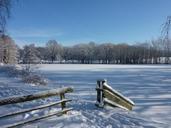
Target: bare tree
91	52
67	54
80	52
30	55
54	50
8	50
4	14
166	39
157	50
42	53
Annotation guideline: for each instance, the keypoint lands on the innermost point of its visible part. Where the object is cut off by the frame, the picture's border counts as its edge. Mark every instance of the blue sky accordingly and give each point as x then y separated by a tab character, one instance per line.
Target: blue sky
81	21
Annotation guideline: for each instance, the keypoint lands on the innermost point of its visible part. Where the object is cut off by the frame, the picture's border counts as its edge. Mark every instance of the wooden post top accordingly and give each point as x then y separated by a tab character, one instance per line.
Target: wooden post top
102	80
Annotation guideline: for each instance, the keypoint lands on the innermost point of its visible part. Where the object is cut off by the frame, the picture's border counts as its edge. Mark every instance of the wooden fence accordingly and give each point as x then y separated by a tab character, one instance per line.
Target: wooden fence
44	94
107	95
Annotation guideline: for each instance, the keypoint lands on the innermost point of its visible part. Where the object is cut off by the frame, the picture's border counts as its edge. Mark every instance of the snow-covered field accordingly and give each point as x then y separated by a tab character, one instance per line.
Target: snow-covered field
149	86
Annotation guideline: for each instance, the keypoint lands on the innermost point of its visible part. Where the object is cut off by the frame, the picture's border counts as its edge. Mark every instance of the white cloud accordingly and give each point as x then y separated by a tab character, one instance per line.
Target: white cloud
34	33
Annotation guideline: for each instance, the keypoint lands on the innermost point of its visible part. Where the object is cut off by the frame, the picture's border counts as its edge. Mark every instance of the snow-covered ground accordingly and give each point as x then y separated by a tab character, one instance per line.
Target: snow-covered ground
149	86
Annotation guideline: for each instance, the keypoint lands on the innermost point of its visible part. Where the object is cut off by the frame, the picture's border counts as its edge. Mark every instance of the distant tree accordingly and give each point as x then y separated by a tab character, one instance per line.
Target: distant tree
42	53
91	52
109	52
67	53
30	55
80	52
8	50
54	50
157	50
21	55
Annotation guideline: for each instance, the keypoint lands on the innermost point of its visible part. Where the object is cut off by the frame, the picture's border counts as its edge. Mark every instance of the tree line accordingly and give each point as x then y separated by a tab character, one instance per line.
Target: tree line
107	53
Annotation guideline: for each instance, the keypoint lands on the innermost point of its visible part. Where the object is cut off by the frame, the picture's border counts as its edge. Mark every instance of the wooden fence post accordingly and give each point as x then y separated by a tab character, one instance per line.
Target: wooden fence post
100	102
63	104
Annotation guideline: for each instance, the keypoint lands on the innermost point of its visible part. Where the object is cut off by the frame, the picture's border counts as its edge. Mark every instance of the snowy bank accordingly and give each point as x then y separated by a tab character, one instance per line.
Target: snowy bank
148	86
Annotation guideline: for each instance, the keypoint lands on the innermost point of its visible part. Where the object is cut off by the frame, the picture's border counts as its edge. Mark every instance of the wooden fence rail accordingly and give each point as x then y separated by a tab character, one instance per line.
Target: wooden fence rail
44	94
107	95
39	95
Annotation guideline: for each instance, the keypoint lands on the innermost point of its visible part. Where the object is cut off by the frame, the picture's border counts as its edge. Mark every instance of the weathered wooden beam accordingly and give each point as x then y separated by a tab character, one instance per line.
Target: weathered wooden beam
117	100
113	104
116	93
20	123
43	94
36	108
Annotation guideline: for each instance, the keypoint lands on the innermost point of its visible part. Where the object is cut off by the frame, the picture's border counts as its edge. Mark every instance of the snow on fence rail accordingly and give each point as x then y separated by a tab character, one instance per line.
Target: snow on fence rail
107	95
44	94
